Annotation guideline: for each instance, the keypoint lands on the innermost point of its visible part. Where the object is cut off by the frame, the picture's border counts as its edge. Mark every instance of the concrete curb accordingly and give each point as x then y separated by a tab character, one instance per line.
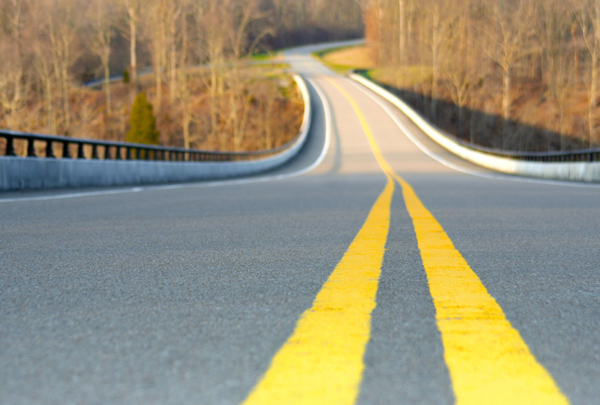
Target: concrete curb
574	171
18	173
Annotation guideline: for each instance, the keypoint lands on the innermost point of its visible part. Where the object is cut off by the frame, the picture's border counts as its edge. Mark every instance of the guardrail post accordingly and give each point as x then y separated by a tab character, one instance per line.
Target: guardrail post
95	151
66	154
138	154
10	148
49	150
31	148
117	153
147	154
127	153
80	152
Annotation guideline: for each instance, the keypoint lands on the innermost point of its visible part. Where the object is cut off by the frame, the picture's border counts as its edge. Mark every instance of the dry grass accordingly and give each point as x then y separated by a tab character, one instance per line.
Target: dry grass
356	57
402	77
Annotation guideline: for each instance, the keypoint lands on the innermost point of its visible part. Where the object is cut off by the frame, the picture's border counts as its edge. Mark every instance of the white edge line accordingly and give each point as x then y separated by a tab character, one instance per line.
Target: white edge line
260	179
439	159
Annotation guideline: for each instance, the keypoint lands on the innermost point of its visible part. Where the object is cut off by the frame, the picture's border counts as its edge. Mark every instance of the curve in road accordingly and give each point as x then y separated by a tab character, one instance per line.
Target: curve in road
335	282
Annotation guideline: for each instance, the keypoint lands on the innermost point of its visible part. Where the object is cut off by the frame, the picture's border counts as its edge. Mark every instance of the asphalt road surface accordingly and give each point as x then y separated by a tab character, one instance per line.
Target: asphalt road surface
364	271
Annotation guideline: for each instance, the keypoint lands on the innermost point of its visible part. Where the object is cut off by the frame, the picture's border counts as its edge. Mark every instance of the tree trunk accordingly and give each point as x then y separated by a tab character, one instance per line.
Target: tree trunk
159	49
66	102
158	85
575	52
434	87
106	64
50	119
593	97
506	79
435	38
473	127
402	29
186	121
185	96
461	120
213	99
133	16
561	113
173	56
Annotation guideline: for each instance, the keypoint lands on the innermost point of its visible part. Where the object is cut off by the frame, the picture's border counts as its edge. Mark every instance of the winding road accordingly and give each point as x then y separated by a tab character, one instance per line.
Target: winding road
364	271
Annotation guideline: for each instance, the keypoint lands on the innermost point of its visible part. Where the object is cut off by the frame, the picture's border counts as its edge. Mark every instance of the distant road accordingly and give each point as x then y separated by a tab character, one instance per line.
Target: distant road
363	271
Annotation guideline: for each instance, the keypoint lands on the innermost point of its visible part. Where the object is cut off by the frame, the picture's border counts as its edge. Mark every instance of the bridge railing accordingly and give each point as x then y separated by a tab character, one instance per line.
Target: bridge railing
581	155
77	148
47	162
578	165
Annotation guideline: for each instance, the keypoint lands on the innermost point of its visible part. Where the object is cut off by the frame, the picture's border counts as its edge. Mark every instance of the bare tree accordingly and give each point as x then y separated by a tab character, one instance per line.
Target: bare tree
212	18
13	90
158	35
587	13
134	9
460	77
61	31
102	32
46	76
183	90
174	32
507	43
241	15
402	14
441	21
12	72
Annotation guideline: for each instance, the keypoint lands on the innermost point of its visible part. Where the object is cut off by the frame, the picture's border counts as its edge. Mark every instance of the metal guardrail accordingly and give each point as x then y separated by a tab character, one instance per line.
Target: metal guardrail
107	150
61	162
583	155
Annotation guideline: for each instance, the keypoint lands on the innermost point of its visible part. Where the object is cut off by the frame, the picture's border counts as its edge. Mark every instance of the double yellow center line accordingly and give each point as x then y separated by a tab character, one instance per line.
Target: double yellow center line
322	362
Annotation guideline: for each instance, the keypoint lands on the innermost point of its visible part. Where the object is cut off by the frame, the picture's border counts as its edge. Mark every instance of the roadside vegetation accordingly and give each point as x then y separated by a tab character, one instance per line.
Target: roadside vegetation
346	58
519	75
207	67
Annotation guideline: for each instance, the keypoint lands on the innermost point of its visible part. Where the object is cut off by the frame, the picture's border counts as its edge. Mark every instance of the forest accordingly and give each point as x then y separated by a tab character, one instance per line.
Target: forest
191	57
519	75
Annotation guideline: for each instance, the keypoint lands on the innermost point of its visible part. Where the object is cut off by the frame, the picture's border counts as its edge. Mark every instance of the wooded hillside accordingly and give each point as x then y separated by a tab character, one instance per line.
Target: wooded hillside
50	48
511	74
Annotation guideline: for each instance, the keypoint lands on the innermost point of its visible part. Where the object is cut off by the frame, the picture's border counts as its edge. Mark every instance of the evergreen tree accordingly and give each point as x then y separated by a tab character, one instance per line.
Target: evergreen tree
142	122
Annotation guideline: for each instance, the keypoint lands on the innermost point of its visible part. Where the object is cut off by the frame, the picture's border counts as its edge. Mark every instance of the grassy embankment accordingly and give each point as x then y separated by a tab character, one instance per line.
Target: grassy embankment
347	58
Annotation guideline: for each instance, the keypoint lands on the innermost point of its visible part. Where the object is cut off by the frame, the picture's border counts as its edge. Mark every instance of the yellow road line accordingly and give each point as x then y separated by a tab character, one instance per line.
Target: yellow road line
322	362
488	360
